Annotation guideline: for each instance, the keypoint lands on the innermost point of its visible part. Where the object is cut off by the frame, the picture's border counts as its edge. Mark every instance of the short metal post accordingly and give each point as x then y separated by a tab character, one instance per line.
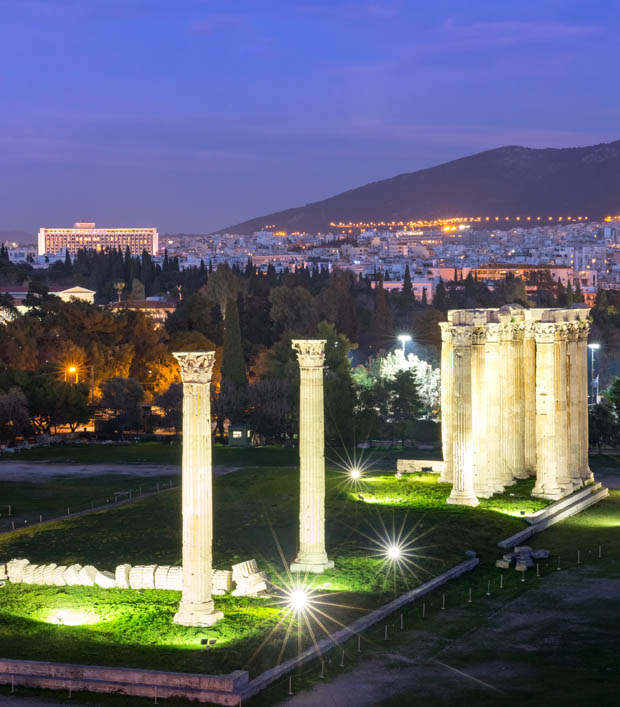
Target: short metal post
537	569
68	512
402	625
359	644
423	610
443	602
322	675
578	557
342	660
40	518
501	581
489	588
385	637
600	551
558	567
290	685
523	575
469	600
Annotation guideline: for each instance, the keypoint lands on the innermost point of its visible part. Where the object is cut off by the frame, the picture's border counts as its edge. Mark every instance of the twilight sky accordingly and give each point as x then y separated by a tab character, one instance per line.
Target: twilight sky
191	115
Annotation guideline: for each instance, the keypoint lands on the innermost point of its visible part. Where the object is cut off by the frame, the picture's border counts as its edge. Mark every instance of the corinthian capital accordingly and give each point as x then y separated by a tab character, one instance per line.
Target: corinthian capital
544	332
310	352
196	366
463	335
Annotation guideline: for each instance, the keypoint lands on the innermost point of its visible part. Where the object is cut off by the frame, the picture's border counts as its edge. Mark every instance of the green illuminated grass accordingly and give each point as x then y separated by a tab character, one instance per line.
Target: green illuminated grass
251	507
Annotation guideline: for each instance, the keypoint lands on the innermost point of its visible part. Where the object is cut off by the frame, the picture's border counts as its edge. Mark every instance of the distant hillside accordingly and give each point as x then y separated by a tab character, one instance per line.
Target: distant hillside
507	181
20	237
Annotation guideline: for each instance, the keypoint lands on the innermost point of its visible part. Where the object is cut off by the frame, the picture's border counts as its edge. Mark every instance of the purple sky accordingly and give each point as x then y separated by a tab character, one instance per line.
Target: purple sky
190	115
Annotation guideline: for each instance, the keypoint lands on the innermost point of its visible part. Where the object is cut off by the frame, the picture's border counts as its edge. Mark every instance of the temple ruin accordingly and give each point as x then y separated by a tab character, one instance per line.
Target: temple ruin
514	401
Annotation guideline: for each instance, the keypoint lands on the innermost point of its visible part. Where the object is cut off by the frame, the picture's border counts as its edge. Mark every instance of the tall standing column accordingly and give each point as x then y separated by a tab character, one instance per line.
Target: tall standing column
462	453
529	399
494	402
509	393
582	406
573	369
196	608
447	383
483	486
312	556
561	420
546	485
518	421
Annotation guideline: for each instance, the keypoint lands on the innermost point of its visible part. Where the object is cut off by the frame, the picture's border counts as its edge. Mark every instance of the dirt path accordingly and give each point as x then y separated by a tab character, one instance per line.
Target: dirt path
42	471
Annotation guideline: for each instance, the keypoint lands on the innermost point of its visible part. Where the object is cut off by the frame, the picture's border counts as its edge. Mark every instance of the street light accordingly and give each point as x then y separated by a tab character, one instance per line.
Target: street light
71	370
593	347
404	338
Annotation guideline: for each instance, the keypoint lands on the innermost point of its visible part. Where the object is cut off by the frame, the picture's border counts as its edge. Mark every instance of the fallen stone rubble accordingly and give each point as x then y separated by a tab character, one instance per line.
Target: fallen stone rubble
245	575
522	557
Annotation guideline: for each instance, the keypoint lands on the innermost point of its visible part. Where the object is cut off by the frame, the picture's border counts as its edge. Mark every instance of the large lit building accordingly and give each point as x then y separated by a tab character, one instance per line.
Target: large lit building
85	236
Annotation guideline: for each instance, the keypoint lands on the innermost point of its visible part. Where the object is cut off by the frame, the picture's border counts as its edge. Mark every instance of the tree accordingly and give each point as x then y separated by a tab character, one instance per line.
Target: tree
405	402
440	300
233	364
602	425
171	402
14	418
383	316
122	397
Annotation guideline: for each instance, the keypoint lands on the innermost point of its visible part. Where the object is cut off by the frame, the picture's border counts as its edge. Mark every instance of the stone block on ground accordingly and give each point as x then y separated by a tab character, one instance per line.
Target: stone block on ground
38	574
161	577
105	580
175	579
121	575
59	576
3	572
521	566
28	574
48	573
15	569
86	576
242	570
72	575
539	554
502	564
222	582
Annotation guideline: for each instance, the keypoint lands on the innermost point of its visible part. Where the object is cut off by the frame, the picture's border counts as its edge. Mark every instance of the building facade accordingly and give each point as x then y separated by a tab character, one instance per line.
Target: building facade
86	236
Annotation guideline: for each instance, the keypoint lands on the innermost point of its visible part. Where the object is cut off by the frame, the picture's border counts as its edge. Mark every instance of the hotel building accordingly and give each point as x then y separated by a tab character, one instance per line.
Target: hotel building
85	236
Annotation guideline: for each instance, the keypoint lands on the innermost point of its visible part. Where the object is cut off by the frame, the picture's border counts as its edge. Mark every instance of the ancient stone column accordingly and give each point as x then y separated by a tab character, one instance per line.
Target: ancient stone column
561	420
494	402
196	608
462	453
508	408
312	556
582	404
529	399
573	369
447	382
518	424
483	486
546	485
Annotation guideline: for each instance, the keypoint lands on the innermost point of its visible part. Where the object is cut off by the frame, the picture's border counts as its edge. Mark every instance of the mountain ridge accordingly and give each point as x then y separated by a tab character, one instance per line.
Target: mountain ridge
511	180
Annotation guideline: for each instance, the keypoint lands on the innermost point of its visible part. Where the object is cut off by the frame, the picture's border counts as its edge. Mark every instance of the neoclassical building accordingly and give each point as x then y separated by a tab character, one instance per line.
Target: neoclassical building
514	400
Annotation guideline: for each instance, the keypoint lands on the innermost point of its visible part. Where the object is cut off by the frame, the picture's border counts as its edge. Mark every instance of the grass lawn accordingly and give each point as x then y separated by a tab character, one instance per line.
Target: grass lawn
251	508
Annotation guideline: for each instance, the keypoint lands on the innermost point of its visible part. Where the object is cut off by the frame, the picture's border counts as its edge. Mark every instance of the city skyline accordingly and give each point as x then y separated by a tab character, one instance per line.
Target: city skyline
197	117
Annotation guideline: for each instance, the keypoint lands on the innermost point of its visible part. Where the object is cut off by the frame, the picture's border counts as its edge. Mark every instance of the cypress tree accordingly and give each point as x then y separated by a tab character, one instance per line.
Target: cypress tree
383	316
233	364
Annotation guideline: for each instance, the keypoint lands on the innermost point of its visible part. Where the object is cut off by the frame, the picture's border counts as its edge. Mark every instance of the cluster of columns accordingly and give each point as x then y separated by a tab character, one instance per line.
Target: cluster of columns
514	401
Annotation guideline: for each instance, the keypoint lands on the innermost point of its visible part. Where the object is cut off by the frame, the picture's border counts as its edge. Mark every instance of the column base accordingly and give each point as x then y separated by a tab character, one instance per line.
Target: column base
302	564
586	475
548	492
462	499
487	491
190	614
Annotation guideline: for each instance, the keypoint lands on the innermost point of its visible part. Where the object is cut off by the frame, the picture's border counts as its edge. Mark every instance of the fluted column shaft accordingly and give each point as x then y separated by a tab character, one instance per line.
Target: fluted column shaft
573	370
582	405
196	608
561	421
529	400
518	422
546	419
494	402
447	382
509	393
462	452
312	556
482	486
